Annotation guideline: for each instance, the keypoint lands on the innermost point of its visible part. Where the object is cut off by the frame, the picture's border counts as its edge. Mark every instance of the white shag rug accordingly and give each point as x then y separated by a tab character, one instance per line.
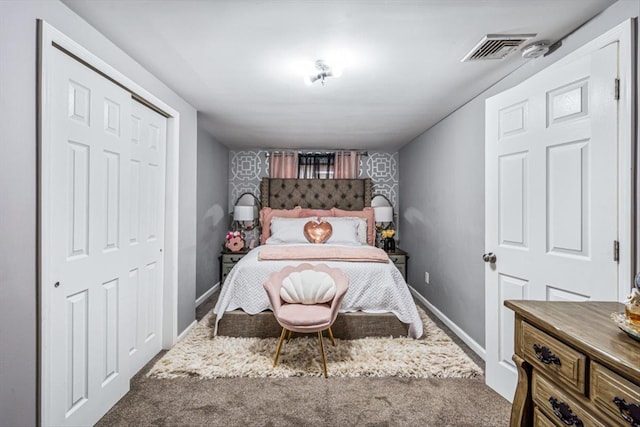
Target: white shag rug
202	356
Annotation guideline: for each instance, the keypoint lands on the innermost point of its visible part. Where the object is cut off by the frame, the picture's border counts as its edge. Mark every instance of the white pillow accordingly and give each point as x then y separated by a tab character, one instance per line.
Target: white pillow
361	226
344	231
308	287
288	230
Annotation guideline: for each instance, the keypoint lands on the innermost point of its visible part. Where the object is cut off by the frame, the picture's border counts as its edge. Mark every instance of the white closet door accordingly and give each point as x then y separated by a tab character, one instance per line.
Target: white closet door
102	236
85	244
551	195
145	238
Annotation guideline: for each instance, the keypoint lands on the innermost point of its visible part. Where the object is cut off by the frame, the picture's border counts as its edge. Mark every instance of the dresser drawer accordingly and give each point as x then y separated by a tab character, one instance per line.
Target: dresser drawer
555	359
615	396
397	259
231	258
541	420
226	268
558	406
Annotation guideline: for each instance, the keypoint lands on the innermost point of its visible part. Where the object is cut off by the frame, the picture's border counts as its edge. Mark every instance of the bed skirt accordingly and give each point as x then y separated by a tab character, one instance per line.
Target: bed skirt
355	325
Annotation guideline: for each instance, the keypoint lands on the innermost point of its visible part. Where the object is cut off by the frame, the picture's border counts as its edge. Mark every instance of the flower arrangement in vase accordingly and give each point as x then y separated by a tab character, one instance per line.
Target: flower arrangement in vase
235	241
388	242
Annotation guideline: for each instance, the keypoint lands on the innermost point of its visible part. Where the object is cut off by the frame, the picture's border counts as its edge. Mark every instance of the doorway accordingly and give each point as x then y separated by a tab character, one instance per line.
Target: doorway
107	231
558	190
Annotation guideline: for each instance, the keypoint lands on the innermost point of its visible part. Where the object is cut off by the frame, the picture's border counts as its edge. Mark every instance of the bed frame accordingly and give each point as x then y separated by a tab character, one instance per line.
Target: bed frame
347	194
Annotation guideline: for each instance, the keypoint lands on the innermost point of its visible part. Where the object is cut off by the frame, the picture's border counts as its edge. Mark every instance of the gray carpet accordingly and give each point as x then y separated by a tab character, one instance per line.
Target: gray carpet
309	401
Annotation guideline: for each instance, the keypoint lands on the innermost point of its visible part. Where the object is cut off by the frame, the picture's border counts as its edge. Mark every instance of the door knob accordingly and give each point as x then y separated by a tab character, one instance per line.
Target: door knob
490	257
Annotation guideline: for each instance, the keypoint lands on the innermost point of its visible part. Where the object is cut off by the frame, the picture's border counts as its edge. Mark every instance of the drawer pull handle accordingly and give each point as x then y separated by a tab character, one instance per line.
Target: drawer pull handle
629	411
563	411
545	355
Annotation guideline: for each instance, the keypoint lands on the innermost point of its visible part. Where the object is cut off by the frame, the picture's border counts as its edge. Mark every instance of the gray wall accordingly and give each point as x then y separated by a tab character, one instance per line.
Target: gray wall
442	192
187	217
18	198
213	220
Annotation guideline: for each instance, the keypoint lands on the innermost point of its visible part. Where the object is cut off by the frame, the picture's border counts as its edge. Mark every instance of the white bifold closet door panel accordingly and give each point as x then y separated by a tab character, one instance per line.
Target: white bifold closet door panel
102	242
145	237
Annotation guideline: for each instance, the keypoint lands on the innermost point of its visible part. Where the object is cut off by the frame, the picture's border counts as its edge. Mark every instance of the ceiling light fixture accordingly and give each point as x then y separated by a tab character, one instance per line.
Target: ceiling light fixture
322	71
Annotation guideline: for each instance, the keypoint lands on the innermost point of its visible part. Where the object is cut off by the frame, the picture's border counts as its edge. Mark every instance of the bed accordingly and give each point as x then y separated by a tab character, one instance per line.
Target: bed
377	297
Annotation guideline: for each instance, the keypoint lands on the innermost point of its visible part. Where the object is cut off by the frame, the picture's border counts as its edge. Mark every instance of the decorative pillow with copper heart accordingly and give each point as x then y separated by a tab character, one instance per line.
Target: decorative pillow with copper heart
317	232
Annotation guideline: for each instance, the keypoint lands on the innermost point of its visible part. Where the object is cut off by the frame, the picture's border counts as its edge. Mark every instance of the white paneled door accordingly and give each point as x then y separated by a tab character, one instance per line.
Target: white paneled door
145	237
551	195
102	236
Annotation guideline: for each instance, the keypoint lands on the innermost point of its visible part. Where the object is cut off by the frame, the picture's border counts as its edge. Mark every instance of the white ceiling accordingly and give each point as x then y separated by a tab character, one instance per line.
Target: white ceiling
238	61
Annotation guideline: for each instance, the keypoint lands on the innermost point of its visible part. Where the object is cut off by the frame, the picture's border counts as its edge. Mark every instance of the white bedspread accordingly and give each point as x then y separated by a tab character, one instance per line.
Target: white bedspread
373	288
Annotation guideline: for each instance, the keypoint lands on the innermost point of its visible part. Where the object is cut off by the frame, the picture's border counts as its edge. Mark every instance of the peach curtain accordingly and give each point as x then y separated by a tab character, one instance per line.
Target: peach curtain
283	165
347	164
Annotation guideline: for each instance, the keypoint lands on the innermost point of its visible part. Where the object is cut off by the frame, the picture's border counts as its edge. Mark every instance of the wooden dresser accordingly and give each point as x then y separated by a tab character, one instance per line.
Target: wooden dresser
575	367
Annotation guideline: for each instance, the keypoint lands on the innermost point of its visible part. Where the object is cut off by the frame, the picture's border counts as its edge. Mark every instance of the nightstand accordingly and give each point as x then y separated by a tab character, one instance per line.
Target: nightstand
399	258
228	260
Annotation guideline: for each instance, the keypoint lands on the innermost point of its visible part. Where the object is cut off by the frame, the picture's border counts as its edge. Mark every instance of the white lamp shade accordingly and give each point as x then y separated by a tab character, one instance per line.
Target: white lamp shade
243	213
383	213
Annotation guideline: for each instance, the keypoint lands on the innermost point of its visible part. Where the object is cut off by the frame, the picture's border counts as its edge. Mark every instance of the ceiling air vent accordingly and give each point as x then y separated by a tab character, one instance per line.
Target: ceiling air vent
496	46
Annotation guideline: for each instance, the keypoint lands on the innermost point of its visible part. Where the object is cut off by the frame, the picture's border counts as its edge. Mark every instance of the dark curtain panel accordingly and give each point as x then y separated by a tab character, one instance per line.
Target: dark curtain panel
316	166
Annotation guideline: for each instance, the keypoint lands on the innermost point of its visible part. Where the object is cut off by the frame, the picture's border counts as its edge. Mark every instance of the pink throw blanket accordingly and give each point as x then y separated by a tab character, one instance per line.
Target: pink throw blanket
322	253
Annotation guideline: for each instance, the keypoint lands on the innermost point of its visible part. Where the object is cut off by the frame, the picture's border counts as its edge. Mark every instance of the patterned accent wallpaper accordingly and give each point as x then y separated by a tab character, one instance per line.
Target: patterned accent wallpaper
248	167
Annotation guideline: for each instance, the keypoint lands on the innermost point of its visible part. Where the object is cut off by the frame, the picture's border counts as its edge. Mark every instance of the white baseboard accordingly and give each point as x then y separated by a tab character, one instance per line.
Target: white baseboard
199	301
186	331
207	294
473	345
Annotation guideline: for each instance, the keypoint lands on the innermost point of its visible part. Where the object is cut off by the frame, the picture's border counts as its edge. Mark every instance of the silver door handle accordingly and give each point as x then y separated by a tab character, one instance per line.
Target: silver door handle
490	257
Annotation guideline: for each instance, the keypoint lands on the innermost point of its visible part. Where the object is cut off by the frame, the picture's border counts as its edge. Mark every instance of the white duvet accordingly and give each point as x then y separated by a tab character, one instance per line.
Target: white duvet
373	288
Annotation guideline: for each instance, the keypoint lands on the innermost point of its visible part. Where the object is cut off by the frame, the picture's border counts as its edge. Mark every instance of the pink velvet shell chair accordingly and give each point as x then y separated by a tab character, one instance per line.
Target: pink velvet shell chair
306	318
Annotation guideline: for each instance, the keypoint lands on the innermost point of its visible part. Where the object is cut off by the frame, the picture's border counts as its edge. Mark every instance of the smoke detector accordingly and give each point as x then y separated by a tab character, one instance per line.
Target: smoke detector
535	49
496	46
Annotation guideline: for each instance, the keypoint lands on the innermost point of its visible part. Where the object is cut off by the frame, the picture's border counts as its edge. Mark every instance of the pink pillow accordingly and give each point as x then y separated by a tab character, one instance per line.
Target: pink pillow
305	212
265	219
366	213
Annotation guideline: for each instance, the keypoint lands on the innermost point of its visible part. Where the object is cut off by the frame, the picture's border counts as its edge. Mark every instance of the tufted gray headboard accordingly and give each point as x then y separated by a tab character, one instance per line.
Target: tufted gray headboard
347	194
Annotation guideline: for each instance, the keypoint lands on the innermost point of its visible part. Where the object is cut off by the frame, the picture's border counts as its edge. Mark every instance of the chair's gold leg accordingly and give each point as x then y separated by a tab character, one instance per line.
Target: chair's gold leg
275	360
324	359
331	336
289	335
